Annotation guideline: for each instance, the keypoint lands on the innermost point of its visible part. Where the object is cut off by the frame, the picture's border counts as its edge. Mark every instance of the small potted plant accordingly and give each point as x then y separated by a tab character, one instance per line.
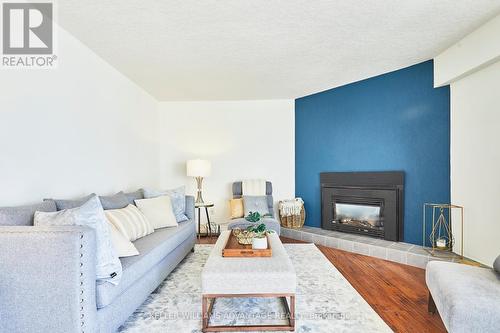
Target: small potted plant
259	240
255	217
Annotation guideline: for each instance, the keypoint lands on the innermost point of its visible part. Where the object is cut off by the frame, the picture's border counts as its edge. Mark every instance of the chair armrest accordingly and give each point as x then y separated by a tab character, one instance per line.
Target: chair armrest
47	279
190	207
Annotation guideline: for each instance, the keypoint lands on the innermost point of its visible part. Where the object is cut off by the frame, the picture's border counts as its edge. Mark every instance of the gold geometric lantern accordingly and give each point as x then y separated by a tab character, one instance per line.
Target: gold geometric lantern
441	239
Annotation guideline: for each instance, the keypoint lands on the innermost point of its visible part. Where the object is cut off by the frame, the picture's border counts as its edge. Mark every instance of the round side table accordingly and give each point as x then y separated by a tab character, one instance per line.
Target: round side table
209	225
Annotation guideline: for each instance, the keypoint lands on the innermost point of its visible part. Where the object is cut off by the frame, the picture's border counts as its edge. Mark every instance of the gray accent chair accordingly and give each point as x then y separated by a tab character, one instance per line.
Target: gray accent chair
270	222
48	280
466	297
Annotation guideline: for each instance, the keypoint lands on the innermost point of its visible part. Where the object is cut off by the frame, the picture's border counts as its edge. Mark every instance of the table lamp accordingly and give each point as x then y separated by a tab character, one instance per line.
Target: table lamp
198	169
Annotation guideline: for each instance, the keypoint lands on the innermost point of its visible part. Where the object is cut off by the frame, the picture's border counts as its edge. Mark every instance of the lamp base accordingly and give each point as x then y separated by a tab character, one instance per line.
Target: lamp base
199	197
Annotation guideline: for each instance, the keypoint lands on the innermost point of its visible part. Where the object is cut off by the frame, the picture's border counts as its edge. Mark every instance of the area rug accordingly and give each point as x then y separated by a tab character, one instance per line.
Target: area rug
326	302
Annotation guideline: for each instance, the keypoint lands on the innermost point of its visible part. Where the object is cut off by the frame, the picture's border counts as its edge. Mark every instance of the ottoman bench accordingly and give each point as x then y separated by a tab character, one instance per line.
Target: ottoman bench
248	277
466	297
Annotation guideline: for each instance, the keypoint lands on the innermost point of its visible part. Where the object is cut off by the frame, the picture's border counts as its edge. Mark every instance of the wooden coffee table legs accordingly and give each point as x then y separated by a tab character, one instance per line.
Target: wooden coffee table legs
208	301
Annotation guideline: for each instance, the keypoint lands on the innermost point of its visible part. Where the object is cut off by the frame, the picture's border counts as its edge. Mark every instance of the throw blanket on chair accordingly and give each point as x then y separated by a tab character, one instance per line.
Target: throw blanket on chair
291	207
253	187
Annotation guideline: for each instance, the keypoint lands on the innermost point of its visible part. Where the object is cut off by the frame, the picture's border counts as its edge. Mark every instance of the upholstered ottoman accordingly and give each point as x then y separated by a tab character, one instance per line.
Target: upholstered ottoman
467	297
248	277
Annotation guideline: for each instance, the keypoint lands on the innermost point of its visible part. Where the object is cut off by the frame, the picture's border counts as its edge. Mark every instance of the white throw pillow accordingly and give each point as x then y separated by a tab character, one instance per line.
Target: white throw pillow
90	214
177	197
123	247
158	211
130	222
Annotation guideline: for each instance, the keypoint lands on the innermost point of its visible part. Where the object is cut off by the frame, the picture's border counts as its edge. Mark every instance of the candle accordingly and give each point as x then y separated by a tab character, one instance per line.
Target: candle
441	243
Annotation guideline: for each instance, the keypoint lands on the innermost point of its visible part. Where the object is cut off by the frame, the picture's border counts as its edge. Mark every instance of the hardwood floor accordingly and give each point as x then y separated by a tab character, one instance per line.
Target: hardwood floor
396	292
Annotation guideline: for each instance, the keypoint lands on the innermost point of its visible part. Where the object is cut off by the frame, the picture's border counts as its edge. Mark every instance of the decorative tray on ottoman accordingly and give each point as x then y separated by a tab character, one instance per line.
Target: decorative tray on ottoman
234	249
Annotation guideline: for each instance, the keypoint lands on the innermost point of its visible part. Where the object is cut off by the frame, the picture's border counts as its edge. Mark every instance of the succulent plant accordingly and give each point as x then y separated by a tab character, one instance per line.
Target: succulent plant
255	217
259	231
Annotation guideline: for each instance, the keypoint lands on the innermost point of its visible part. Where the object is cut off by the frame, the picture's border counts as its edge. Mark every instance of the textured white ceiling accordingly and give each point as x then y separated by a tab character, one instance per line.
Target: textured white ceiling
265	49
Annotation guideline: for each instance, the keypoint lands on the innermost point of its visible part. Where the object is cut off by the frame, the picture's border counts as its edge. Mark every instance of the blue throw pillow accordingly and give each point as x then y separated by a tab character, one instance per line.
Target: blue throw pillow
177	197
132	196
254	203
116	201
62	204
23	215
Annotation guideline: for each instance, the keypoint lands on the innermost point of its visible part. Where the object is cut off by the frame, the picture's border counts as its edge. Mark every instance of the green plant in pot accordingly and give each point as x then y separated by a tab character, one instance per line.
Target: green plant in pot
260	232
255	217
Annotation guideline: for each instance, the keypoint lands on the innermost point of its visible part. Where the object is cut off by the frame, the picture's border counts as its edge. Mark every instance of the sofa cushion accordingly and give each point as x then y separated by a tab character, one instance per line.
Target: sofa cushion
158	211
178	198
115	201
152	249
465	296
23	215
137	195
236	208
123	247
255	203
91	214
70	203
496	264
130	221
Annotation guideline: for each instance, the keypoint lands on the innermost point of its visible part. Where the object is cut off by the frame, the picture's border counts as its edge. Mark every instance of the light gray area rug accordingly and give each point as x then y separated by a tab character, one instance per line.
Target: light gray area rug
326	302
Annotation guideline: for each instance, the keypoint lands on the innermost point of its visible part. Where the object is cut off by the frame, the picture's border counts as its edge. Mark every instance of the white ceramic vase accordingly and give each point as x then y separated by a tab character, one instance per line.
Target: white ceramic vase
259	243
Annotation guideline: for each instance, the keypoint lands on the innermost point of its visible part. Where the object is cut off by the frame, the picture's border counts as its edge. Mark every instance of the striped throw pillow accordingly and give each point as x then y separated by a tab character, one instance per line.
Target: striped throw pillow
130	222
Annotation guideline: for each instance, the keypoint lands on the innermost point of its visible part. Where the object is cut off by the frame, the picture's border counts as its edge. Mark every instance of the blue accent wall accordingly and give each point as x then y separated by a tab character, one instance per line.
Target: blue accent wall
392	122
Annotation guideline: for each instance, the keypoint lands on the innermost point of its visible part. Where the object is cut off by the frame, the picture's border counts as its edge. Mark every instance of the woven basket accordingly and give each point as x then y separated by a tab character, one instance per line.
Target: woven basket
293	221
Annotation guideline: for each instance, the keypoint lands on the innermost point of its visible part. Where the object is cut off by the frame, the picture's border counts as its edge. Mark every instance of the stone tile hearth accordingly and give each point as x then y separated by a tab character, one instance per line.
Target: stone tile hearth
404	253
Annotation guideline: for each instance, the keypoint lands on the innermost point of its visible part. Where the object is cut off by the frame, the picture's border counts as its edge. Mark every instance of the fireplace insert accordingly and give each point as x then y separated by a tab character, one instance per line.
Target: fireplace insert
367	203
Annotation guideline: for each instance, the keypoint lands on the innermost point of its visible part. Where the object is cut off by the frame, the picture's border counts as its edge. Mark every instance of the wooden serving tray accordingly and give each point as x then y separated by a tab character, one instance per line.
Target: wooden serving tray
235	249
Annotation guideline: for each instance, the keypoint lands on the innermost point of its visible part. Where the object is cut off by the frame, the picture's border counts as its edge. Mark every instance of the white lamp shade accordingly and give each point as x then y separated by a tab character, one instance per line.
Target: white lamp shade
198	168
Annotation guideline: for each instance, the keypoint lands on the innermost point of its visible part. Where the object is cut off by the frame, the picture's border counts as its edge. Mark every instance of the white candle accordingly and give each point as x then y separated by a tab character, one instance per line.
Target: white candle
441	242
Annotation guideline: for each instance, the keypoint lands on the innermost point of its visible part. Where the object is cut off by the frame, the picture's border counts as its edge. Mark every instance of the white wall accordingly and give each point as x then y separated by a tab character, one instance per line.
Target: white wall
242	139
80	128
475	160
474	77
475	51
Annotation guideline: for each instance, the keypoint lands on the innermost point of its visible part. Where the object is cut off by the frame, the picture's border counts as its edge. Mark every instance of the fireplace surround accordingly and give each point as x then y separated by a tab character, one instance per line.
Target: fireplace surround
366	203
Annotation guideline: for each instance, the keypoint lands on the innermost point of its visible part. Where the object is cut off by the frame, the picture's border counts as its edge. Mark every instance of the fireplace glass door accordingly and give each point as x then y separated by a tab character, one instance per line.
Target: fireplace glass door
358	215
361	215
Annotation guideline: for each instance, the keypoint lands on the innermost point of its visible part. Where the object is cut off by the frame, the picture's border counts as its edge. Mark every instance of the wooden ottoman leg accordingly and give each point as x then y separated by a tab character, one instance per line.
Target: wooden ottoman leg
292	312
431	306
204	313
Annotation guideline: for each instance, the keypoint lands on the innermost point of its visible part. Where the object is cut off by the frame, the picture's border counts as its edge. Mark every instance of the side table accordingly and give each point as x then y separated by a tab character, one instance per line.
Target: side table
209	225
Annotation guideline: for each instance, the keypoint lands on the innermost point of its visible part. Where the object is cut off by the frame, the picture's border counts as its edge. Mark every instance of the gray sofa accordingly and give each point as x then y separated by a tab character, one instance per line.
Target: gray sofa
466	297
48	281
270	222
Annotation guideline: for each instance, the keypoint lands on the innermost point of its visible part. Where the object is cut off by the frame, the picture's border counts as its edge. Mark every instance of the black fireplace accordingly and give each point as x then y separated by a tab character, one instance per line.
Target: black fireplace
366	203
